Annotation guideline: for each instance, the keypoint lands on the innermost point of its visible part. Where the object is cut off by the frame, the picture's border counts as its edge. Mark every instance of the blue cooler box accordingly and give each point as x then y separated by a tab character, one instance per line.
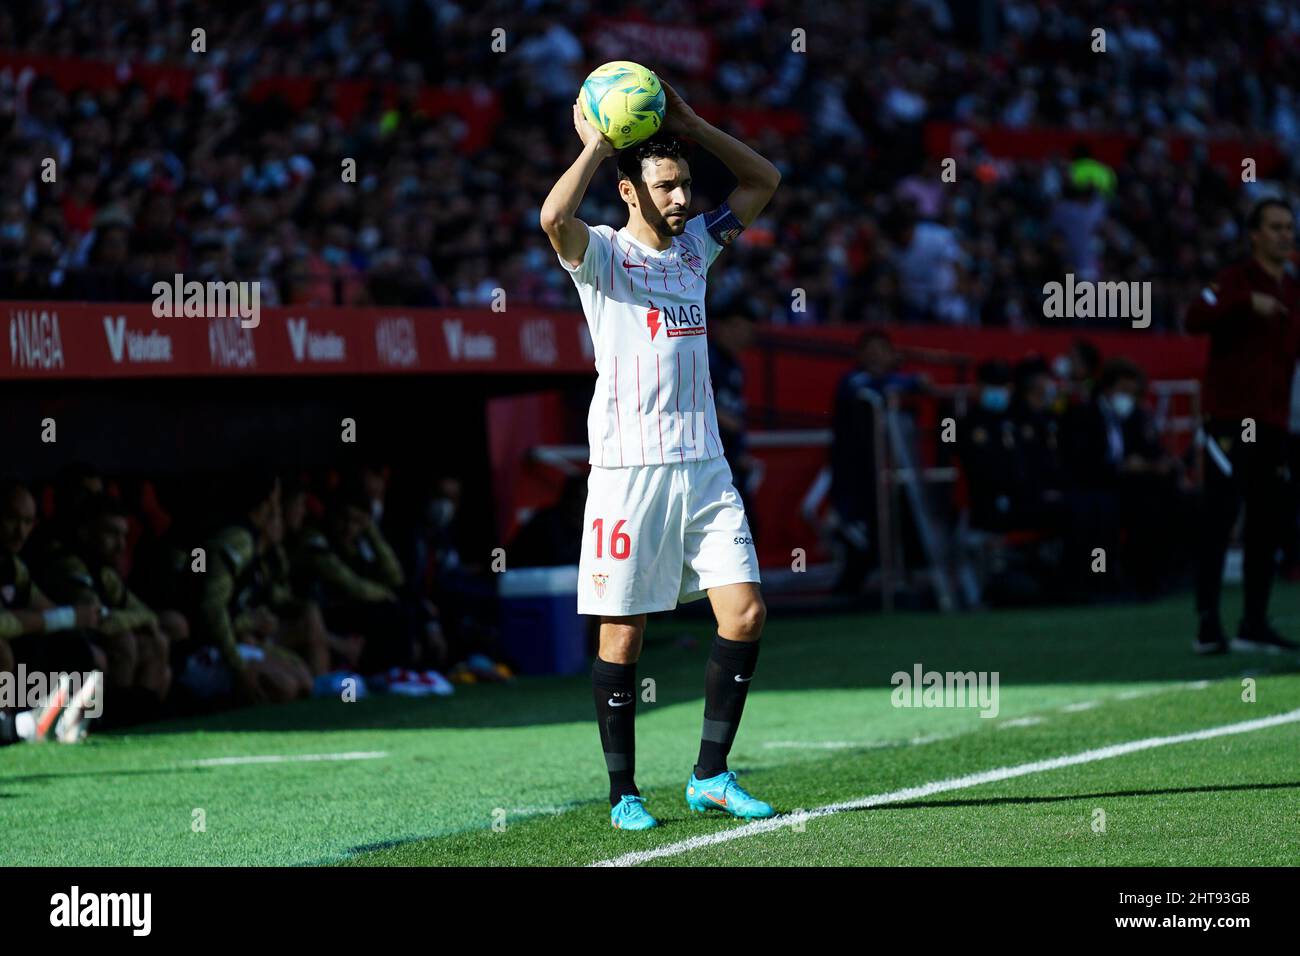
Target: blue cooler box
541	630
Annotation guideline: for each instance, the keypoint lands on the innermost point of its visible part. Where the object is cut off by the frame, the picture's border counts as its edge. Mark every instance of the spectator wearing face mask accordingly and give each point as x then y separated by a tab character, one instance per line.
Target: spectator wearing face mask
1123	478
987	447
1077	372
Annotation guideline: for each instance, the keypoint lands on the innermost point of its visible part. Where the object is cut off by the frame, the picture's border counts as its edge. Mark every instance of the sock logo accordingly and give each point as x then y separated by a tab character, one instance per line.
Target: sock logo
620	703
744	680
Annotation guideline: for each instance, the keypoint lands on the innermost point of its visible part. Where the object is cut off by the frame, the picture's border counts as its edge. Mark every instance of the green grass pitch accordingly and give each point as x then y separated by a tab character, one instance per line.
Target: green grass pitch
512	775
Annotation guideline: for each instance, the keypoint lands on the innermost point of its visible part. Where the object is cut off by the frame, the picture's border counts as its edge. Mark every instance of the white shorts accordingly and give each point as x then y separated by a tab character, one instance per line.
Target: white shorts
657	535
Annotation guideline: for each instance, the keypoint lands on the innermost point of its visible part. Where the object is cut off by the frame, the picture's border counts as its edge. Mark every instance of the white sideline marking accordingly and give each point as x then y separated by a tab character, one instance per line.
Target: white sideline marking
553	811
1020	722
956	783
286	758
854	744
1026	721
1079	706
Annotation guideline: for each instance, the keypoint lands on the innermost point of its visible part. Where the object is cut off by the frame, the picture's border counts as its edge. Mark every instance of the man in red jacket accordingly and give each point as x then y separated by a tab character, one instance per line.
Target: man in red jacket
1252	315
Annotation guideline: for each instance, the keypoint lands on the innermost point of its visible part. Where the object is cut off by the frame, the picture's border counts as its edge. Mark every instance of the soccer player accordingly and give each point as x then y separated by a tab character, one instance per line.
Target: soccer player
663	521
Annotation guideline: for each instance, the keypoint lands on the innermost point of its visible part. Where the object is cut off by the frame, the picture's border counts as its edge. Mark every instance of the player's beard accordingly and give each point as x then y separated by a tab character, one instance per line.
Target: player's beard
663	227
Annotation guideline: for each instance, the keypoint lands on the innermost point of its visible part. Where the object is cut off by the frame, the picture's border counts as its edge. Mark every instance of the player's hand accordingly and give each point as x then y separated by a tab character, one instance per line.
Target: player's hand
589	134
1267	305
88	615
678	117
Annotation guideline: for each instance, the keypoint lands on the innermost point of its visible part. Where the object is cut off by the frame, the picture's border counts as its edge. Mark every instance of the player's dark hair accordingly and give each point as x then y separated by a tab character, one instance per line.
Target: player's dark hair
1256	216
658	146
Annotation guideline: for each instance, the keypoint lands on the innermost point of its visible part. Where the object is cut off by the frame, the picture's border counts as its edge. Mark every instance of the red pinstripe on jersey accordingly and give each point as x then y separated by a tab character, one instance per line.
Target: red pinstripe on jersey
695	444
618	415
659	417
708	390
677	400
639	430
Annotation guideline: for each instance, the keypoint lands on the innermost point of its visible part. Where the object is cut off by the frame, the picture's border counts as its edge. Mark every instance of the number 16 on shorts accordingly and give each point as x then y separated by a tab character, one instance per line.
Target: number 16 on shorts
620	544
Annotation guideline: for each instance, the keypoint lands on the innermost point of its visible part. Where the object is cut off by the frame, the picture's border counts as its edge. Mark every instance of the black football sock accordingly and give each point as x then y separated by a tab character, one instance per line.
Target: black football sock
726	682
614	686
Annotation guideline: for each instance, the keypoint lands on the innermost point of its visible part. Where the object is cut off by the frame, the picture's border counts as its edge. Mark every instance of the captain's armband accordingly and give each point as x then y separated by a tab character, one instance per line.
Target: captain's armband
723	225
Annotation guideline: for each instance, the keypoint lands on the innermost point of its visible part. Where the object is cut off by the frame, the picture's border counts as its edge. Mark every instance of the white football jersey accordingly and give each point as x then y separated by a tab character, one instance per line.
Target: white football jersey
653	402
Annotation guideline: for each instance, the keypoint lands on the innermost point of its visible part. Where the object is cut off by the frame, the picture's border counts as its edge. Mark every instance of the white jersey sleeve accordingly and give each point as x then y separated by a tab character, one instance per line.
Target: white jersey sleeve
595	260
698	233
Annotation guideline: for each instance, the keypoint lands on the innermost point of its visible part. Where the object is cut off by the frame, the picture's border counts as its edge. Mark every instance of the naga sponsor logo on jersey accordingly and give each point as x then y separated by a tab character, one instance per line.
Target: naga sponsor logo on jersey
652	321
537	342
479	347
135	347
598	581
34	340
309	346
683	319
230	345
395	342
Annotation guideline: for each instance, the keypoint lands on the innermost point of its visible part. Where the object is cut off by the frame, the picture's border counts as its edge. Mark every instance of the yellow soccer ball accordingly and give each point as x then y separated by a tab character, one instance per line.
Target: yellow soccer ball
623	100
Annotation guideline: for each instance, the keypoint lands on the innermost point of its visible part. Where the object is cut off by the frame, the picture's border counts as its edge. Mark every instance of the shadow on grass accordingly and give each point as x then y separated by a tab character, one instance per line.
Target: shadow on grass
1117	644
1065	798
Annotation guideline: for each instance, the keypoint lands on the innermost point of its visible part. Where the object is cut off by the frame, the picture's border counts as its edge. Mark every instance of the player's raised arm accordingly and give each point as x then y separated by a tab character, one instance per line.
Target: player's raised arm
756	178
568	234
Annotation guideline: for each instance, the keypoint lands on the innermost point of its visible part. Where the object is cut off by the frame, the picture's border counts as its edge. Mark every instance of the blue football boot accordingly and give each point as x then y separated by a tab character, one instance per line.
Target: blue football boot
630	814
723	793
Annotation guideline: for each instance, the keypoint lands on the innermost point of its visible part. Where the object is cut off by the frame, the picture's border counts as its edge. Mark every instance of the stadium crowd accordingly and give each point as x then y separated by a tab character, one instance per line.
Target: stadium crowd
223	185
285	589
